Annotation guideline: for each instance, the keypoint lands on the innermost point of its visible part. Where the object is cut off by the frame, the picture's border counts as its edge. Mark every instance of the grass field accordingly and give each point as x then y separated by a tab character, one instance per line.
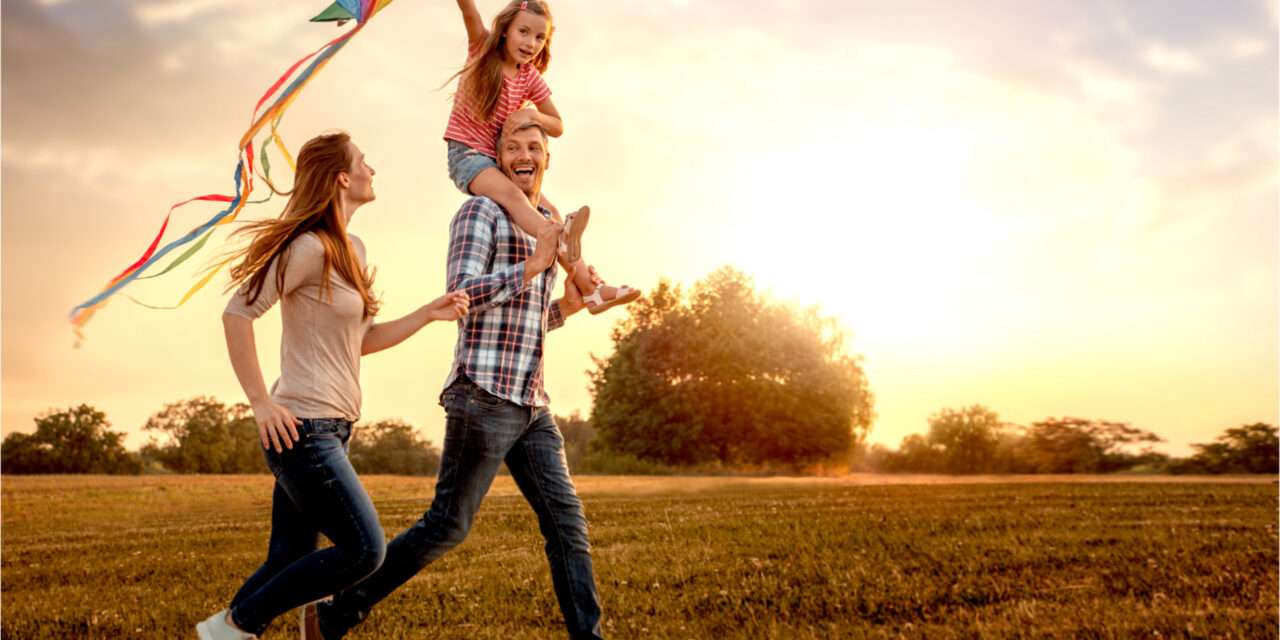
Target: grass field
112	557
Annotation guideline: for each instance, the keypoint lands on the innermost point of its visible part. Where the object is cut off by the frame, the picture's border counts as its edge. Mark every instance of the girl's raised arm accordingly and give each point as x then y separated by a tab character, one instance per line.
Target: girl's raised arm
473	21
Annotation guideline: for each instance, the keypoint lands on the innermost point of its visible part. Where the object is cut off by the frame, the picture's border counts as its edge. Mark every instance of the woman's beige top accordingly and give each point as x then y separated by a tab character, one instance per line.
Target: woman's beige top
320	348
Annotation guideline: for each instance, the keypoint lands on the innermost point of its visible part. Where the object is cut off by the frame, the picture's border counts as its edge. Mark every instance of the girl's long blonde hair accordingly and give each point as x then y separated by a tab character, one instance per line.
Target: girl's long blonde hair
482	75
313	207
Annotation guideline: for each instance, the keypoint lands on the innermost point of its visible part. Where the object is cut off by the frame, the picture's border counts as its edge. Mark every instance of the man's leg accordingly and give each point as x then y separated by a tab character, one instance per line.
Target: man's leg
479	430
539	468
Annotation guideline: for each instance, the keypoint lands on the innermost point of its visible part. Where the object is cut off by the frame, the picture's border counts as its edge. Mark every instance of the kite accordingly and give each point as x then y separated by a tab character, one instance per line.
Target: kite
281	95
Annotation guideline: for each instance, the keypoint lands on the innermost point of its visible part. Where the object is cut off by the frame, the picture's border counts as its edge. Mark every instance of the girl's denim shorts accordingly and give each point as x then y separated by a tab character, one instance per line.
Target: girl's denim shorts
465	164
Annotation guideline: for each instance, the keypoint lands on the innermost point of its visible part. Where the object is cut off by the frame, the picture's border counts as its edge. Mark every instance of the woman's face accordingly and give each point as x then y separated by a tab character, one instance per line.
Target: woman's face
526	37
359	177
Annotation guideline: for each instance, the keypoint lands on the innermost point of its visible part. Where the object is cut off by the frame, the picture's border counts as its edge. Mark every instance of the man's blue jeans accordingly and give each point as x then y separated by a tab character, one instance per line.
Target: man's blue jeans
481	432
316	492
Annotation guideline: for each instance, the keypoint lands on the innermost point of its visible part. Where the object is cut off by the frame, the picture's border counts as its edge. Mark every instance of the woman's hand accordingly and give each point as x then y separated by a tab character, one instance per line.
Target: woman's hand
276	425
449	306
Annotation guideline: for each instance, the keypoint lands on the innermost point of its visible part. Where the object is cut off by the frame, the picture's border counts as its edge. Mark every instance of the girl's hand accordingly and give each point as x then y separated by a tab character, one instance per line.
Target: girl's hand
276	425
449	306
519	119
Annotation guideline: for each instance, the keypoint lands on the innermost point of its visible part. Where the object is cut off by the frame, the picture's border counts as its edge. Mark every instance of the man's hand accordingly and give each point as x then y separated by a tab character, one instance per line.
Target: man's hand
572	301
544	254
449	306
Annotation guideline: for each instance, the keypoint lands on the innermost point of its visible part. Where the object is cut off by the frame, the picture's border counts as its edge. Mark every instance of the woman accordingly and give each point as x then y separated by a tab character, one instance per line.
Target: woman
308	261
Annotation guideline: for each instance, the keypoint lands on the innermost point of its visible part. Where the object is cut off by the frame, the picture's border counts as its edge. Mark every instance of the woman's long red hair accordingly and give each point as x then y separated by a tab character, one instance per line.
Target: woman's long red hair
313	207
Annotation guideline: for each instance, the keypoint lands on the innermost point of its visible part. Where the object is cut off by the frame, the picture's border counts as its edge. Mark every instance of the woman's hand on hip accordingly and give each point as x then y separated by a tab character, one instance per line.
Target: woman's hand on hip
277	427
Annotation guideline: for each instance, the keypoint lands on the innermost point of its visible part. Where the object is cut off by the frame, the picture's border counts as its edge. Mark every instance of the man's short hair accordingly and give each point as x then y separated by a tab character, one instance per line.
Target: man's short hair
524	127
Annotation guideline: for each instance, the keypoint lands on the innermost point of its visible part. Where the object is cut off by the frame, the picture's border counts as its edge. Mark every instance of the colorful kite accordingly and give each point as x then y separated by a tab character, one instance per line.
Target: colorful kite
340	11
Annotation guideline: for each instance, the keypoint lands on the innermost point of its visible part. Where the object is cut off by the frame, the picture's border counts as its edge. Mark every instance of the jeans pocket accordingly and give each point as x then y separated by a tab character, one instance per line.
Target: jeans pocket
486	399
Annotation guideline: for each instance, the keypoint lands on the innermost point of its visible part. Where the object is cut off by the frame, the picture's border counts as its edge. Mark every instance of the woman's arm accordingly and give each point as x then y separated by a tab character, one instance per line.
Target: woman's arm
473	21
385	335
276	425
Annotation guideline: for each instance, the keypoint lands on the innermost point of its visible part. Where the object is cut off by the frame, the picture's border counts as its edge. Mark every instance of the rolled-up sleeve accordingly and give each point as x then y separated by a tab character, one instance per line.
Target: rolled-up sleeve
471	248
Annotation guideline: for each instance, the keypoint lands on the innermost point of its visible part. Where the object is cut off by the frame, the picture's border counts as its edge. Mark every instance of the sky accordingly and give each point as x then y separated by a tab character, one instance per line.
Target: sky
1049	209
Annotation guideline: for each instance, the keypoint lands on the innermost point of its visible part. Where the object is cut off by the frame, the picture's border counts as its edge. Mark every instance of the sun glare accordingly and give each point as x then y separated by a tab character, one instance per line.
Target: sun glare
878	223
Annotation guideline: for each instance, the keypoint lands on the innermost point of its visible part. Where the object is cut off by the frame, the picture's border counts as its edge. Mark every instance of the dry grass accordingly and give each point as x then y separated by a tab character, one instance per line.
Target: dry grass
859	556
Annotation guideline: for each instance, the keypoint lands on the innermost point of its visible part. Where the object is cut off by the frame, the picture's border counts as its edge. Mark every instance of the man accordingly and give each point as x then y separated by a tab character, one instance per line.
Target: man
496	408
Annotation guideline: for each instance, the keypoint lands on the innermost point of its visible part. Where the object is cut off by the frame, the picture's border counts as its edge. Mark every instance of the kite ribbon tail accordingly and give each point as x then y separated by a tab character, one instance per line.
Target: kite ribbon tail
182	258
298	83
272	89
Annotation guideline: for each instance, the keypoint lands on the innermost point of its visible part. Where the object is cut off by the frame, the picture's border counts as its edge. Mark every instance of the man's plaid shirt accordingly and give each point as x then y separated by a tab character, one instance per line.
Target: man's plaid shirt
500	341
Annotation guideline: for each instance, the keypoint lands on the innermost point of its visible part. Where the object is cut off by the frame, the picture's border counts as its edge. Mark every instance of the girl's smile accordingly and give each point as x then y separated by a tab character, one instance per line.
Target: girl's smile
526	37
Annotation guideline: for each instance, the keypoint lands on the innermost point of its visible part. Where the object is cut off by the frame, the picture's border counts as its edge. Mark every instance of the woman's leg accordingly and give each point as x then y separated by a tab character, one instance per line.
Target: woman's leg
317	476
292	536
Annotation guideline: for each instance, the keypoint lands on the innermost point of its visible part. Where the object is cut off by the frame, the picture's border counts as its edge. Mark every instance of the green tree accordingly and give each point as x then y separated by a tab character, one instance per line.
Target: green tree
77	440
392	447
727	376
966	438
202	435
917	454
578	434
1077	445
1251	448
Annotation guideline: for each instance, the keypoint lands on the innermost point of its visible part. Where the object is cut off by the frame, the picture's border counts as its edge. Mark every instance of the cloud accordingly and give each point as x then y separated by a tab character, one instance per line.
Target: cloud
1248	47
169	11
1171	60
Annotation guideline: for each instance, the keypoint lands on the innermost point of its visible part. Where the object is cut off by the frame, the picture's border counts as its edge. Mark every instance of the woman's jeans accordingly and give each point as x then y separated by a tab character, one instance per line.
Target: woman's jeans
481	432
316	492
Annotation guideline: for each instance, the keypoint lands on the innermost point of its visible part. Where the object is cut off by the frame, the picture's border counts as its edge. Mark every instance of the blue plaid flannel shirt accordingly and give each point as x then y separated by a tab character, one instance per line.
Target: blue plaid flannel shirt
500	342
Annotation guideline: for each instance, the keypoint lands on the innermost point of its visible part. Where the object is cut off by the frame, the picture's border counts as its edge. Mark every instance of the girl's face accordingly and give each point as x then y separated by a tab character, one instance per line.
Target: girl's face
526	37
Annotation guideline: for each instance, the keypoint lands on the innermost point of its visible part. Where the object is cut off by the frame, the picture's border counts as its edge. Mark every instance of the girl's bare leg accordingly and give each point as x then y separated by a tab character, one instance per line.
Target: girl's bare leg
492	184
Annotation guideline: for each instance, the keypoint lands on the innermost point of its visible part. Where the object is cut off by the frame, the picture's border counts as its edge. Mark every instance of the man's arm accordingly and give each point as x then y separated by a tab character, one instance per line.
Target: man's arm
471	245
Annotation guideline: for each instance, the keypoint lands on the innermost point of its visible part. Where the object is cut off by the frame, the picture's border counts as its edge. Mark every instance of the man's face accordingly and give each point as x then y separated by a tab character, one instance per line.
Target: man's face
523	158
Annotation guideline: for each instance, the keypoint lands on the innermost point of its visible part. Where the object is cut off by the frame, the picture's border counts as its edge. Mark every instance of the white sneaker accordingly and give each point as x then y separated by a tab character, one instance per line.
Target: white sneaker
217	628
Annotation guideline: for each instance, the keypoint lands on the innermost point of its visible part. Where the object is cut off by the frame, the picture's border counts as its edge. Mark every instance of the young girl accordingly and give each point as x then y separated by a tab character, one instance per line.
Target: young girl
503	73
306	260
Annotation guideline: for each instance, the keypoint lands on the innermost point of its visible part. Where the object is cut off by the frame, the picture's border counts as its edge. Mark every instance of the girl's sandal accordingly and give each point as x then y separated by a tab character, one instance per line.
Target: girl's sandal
596	302
571	239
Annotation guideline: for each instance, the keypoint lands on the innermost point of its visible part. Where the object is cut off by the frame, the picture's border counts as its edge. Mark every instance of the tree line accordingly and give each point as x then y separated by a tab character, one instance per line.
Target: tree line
716	379
974	440
200	435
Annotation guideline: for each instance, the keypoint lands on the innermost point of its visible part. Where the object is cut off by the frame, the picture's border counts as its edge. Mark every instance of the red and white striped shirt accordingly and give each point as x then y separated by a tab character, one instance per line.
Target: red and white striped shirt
526	86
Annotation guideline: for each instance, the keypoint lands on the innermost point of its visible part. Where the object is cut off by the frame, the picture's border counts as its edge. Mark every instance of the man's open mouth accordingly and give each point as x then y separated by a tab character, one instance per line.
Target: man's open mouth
522	171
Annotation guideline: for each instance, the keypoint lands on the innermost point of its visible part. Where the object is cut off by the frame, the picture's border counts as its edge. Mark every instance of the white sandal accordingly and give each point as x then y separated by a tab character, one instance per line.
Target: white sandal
596	303
571	238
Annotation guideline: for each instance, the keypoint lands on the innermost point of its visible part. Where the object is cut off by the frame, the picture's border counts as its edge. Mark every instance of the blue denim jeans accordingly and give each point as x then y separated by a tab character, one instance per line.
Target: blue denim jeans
316	492
481	432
